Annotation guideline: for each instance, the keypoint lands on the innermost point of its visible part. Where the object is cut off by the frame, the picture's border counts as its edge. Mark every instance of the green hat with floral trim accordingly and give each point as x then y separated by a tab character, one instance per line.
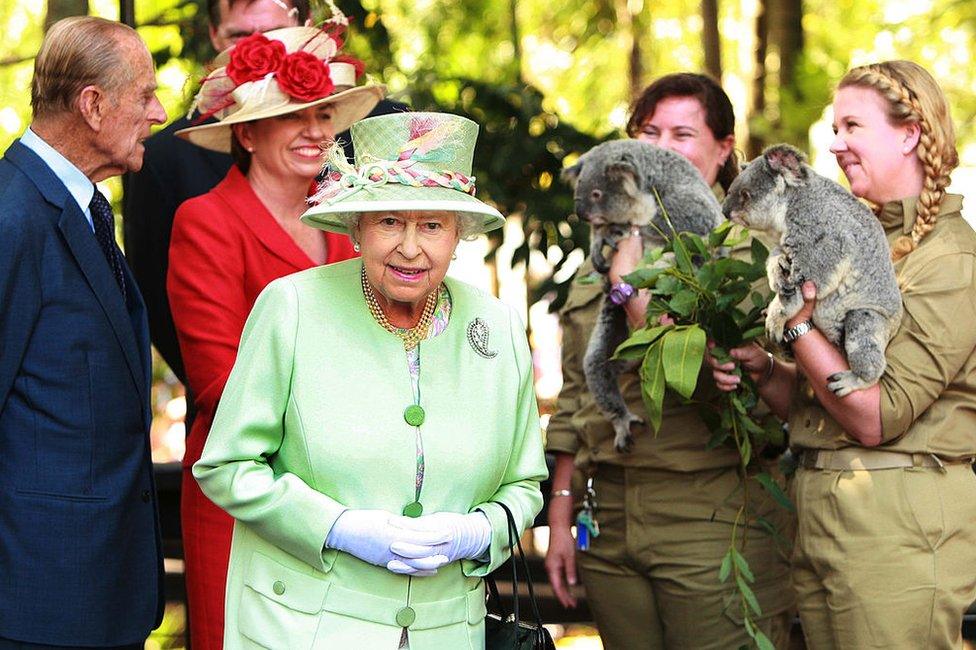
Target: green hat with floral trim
404	161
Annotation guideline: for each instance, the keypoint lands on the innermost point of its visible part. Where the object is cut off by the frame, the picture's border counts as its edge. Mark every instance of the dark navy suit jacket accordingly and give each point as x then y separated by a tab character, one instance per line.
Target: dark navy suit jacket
80	559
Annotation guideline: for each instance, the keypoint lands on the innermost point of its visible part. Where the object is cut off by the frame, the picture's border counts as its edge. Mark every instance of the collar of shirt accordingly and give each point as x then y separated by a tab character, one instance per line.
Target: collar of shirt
79	186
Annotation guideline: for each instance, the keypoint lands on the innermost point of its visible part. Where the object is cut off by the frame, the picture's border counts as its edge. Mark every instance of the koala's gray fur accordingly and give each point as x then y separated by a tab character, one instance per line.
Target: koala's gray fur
821	232
614	191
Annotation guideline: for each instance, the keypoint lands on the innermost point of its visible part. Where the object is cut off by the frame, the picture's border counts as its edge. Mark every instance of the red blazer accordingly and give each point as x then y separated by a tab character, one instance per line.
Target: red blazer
226	247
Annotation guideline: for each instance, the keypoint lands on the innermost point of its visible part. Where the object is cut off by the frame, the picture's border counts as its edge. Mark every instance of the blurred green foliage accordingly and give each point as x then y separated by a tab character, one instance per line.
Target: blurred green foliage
547	79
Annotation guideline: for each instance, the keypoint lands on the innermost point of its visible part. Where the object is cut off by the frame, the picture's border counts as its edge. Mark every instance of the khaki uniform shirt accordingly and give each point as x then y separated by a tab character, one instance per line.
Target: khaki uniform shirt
928	390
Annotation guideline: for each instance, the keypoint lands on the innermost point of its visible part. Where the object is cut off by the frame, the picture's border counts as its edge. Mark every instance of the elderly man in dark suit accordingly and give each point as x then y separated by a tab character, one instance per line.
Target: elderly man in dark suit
80	561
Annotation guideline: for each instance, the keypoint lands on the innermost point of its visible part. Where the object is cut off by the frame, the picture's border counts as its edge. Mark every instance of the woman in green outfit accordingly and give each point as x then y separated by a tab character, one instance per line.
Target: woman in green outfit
885	495
665	510
377	416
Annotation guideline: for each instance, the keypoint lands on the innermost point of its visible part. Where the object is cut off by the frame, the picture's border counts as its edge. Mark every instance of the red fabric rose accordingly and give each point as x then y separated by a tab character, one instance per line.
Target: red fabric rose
254	57
304	77
351	60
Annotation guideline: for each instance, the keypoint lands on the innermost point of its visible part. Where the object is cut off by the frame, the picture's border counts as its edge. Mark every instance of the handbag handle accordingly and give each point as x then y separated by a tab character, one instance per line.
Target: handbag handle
517	544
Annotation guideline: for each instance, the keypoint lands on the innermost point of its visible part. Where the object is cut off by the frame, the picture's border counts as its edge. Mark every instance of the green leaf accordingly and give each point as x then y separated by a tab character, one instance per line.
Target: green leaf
737	403
591	278
753	333
721	354
652	384
758	299
748	596
683	352
723	329
775	490
750	628
639	341
759	252
745	451
683	303
719	436
682	259
718	236
762	641
726	569
696	243
742	564
644	277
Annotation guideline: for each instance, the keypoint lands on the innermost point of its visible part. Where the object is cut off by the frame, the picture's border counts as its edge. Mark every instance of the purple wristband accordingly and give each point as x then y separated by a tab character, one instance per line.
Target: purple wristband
621	292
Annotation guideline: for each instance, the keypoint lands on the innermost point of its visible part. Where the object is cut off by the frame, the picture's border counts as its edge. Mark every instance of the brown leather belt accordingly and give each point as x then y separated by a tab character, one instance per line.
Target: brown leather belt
861	458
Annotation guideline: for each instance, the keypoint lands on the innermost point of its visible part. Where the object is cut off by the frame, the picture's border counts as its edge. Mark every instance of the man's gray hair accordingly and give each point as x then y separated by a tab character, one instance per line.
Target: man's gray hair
77	52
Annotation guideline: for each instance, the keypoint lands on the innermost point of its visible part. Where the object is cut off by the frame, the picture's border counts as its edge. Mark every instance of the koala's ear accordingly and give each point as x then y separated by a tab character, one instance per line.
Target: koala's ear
622	170
570	175
787	161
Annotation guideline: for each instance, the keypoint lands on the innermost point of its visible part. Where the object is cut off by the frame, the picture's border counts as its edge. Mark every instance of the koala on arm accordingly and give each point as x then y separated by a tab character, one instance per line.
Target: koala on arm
821	232
614	191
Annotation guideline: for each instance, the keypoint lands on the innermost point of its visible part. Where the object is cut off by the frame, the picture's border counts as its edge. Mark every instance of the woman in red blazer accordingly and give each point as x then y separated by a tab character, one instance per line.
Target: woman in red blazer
276	109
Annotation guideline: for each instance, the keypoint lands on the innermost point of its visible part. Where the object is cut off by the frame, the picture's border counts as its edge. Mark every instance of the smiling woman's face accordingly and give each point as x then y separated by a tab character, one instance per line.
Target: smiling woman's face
406	255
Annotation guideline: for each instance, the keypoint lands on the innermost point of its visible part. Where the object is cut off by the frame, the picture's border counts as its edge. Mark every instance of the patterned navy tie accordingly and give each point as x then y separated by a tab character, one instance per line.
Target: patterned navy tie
104	221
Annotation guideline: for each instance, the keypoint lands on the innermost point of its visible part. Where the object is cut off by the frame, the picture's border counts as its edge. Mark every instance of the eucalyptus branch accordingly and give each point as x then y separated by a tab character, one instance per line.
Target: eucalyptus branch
709	295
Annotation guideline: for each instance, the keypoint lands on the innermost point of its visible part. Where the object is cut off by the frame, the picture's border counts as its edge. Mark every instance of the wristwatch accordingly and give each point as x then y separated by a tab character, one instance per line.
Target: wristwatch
791	334
621	292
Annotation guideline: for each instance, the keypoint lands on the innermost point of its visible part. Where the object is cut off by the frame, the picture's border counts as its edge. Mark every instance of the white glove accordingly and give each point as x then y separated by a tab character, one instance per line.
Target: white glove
368	534
468	537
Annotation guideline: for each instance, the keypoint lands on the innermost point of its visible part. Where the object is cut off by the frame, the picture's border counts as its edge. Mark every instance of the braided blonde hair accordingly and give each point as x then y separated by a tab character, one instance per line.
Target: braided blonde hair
912	95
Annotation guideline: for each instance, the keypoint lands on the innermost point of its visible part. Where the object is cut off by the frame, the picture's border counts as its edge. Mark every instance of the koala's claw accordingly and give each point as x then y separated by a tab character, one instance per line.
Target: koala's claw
775	324
625	427
846	382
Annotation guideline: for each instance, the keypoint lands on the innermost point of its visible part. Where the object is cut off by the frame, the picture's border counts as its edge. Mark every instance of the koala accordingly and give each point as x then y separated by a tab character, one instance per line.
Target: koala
821	232
614	190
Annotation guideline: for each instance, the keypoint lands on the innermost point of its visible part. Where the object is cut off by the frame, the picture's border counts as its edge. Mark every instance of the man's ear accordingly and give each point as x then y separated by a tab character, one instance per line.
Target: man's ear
93	106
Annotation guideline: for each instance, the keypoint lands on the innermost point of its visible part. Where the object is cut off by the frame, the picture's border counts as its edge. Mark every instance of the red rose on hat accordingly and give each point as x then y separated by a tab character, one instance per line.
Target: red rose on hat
254	57
304	77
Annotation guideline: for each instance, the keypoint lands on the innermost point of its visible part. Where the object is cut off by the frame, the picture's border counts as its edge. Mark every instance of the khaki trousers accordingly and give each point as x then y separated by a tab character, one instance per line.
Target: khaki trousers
651	577
885	558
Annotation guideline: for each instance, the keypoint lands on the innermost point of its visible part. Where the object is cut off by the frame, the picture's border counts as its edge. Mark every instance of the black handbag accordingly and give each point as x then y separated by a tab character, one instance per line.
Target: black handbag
504	632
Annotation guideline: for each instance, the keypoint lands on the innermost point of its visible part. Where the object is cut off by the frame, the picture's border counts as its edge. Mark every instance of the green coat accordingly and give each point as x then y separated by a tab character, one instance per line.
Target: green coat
311	423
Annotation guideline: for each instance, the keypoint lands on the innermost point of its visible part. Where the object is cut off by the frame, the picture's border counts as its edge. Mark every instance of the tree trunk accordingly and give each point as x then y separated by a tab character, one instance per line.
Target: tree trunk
58	9
758	108
789	38
629	20
516	44
711	41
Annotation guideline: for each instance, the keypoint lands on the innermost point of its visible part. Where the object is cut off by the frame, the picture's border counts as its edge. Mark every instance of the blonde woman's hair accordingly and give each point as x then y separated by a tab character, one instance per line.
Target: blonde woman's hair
78	51
912	95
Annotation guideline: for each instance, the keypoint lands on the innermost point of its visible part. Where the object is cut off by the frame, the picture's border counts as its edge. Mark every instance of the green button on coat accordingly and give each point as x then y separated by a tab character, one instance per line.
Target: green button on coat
414	509
414	415
278	587
406	616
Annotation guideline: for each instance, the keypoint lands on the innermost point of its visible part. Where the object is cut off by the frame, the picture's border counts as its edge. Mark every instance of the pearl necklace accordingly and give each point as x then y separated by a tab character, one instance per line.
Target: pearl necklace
411	337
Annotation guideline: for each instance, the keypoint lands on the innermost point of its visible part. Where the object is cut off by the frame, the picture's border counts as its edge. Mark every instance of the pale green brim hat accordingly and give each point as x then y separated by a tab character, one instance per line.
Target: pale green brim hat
429	145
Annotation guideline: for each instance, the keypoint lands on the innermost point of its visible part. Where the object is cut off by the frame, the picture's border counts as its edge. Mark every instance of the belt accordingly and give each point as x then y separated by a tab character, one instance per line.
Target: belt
861	458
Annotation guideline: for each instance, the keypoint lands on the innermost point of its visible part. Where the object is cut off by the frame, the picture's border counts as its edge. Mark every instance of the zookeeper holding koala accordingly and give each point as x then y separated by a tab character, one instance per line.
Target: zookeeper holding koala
665	509
885	495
